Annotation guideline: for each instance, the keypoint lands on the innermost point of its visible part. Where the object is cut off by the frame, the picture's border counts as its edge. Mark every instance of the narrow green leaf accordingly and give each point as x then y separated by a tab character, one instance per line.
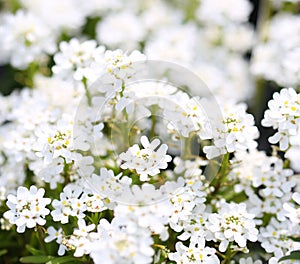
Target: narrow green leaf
3	252
61	260
293	255
297	239
34	251
35	259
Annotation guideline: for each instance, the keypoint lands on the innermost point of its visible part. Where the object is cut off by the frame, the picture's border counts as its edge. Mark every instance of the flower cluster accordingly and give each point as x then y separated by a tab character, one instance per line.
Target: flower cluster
283	114
146	161
275	58
27	208
133	137
236	131
232	223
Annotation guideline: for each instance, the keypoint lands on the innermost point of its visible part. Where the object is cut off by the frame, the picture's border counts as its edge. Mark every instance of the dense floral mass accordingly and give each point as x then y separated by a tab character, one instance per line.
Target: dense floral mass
133	132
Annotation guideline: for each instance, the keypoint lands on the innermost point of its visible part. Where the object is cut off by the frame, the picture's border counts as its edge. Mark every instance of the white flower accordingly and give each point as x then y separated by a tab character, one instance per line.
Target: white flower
108	186
60	16
293	153
95	203
188	168
97	130
79	60
283	114
244	33
126	101
275	239
292	213
120	30
147	208
147	161
185	114
194	253
53	234
121	64
58	236
236	131
195	225
214	11
81	239
232	223
122	243
277	57
27	208
175	43
248	167
187	200
24	39
83	229
52	172
72	203
227	73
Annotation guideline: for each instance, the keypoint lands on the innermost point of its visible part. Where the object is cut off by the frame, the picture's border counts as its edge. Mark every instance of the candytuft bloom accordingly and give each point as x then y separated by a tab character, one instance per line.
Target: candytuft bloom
27	208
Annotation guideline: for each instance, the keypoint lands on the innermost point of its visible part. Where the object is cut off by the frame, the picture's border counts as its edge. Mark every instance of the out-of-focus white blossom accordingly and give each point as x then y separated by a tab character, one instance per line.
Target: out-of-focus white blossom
122	243
174	43
214	11
24	39
121	30
276	59
59	16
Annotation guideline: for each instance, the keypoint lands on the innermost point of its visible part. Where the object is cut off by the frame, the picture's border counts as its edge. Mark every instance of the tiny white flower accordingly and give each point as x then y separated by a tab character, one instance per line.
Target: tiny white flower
147	161
127	30
25	39
58	236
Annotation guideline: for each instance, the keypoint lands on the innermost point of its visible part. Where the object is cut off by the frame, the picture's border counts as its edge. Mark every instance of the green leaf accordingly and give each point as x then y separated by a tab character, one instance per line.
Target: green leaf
3	252
297	239
61	260
293	255
35	259
34	251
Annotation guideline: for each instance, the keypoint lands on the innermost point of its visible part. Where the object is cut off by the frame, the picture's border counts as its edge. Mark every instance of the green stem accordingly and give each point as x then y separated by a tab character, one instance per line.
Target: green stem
264	13
154	121
187	147
40	235
220	254
229	255
87	92
67	172
221	175
225	165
